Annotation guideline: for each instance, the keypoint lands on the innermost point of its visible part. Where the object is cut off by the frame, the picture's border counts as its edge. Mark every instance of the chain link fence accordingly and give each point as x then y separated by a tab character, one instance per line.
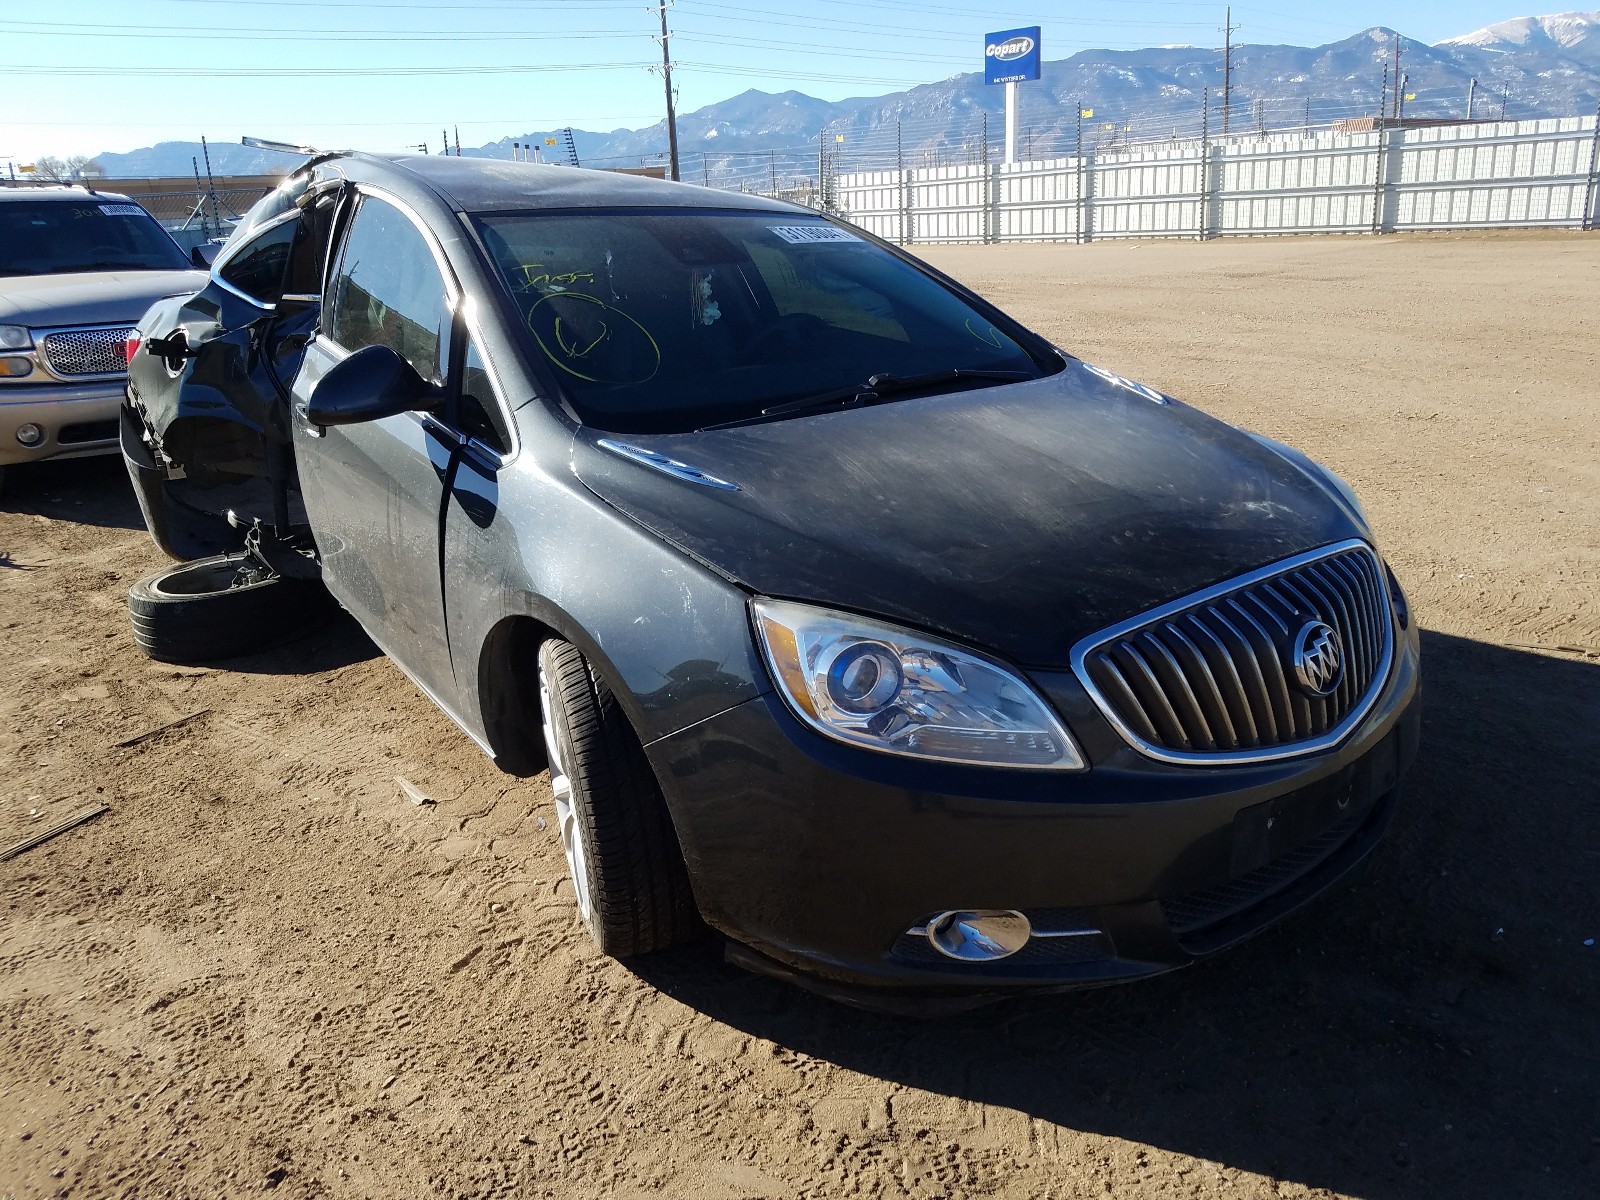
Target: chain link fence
195	217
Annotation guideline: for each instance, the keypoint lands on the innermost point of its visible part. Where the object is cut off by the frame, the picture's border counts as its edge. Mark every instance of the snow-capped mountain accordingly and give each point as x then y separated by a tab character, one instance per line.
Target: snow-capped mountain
1560	33
1525	67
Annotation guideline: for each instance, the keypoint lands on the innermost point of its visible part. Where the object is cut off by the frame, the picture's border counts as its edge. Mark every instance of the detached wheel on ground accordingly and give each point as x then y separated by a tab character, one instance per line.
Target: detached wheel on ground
221	607
627	871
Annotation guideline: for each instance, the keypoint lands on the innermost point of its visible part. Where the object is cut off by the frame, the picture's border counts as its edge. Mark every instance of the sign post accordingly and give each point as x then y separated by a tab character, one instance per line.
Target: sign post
1009	57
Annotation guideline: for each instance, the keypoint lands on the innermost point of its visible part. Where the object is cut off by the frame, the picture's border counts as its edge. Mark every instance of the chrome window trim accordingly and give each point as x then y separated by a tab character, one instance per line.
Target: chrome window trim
1222	758
253	301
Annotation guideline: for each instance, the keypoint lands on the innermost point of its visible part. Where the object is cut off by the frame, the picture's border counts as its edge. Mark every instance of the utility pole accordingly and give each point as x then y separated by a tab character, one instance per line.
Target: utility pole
1401	93
1472	89
1228	30
666	75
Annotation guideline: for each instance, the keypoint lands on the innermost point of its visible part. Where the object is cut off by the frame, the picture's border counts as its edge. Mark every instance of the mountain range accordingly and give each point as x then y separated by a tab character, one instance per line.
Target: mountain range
1523	67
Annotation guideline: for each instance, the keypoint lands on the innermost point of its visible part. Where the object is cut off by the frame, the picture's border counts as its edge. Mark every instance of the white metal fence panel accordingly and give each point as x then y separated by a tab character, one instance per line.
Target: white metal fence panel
1444	177
879	197
950	204
1038	201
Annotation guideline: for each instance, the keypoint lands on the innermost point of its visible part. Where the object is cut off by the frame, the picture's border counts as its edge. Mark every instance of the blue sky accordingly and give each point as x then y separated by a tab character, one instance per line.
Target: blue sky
385	74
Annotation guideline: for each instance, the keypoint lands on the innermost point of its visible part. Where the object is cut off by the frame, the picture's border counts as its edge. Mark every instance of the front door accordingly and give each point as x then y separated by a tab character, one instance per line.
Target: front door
375	491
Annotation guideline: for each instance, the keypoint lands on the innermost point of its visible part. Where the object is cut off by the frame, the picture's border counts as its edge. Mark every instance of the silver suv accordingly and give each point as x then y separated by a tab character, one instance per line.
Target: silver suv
78	268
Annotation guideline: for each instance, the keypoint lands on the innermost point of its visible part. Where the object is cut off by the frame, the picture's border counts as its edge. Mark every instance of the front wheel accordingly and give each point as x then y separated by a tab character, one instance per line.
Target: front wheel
628	877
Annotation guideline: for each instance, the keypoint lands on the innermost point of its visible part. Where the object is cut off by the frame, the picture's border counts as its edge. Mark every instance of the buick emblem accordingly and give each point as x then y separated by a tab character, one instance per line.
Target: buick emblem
1317	659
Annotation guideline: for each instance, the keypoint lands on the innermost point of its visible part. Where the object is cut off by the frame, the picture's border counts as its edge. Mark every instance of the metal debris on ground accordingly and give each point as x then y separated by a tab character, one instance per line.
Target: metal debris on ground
150	733
45	835
413	793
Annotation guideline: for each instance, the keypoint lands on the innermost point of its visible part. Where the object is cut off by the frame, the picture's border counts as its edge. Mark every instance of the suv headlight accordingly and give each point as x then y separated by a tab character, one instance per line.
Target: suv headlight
15	337
903	692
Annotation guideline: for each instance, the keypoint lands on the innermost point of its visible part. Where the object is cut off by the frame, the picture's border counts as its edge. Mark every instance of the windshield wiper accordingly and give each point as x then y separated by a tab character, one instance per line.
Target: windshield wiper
873	391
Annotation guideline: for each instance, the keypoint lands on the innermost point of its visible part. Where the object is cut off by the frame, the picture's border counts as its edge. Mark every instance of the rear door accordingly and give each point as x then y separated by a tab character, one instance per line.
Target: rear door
375	491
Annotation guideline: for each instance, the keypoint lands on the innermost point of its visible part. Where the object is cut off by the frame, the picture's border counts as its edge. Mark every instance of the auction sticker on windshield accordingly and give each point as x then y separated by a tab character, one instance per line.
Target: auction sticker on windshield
797	234
122	210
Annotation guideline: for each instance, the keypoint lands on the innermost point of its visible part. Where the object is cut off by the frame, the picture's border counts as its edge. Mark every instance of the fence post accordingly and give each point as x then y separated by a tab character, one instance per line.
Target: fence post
1205	158
1594	162
211	186
199	201
1077	153
1088	198
986	226
900	177
1378	156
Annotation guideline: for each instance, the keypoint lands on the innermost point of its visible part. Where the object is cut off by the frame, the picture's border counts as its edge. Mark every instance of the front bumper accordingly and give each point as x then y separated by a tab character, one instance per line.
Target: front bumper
77	419
816	858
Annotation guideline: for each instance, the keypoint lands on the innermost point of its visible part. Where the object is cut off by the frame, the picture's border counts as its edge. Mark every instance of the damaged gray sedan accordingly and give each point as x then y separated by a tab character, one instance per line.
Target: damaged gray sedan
918	658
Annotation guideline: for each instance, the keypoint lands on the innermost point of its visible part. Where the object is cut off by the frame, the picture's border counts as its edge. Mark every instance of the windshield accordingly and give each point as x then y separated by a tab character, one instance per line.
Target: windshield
56	237
670	321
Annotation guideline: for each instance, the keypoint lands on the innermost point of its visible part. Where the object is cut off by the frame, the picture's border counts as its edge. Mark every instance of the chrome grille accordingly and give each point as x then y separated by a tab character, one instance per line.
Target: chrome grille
1210	678
87	351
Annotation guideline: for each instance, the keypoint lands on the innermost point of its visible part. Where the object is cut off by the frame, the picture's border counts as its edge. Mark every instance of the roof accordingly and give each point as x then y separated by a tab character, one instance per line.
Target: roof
495	185
63	192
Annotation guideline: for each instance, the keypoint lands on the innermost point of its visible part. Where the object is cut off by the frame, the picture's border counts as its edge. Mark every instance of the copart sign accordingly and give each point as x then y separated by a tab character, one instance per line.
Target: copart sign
1011	55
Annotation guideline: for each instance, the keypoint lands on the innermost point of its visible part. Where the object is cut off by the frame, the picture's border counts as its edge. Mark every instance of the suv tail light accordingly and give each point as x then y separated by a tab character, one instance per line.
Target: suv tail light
131	346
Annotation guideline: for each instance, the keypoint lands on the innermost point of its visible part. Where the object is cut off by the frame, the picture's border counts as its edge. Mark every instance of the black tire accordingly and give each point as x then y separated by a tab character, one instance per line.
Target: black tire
222	607
634	884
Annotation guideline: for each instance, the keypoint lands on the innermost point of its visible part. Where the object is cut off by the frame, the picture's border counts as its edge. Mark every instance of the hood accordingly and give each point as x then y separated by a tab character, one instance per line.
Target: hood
1021	518
89	297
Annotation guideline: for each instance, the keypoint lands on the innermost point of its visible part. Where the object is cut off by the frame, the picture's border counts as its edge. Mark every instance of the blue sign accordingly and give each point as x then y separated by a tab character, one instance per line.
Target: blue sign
1011	55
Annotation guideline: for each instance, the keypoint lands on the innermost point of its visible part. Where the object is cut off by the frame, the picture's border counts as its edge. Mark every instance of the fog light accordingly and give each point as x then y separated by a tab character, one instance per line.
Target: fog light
30	435
984	935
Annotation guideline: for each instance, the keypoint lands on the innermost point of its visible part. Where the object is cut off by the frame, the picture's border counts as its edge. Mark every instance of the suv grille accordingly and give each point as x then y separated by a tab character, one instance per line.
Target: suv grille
1213	678
87	351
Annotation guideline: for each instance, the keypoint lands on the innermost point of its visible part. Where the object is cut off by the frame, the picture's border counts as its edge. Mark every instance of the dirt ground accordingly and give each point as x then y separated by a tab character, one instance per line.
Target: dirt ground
265	969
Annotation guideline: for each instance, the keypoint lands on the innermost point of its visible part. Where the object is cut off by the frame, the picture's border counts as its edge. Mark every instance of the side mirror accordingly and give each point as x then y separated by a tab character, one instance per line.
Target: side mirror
371	384
205	254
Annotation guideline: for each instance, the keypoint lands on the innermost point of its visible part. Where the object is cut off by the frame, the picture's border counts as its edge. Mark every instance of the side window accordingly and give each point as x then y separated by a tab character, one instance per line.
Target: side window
388	291
258	268
478	413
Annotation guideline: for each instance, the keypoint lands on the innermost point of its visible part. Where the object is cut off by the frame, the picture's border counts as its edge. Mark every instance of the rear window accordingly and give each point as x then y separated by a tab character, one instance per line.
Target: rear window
668	321
56	237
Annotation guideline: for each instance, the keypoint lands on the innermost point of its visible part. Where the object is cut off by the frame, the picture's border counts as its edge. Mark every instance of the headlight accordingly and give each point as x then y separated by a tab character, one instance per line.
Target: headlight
15	337
902	692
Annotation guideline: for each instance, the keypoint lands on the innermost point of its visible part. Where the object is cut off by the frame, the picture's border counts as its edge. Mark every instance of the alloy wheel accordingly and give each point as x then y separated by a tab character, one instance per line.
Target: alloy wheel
566	808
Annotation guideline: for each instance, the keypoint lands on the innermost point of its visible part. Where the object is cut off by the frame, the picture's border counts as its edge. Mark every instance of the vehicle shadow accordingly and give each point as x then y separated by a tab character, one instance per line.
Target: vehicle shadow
336	641
1426	1031
89	491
